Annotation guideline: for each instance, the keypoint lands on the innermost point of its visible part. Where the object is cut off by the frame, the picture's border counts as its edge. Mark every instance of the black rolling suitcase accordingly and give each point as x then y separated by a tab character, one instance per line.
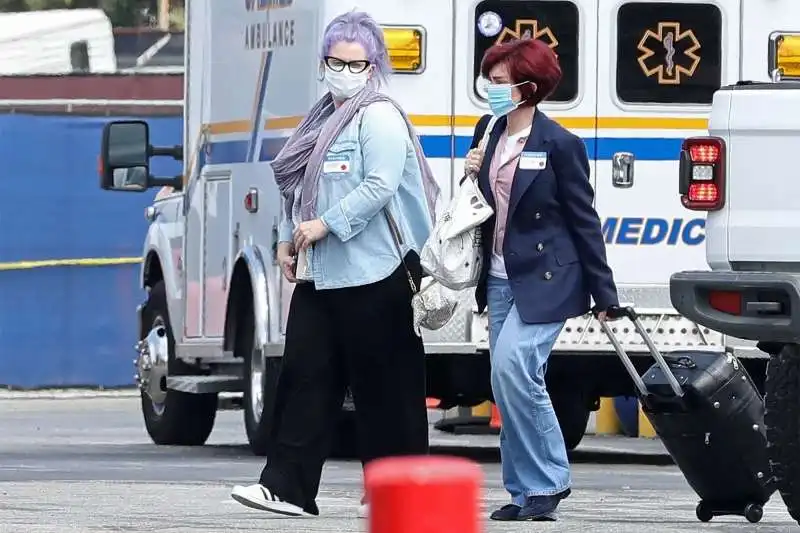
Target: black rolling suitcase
710	418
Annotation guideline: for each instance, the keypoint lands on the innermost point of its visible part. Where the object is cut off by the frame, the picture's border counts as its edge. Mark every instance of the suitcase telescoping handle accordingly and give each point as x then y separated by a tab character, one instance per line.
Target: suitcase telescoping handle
616	312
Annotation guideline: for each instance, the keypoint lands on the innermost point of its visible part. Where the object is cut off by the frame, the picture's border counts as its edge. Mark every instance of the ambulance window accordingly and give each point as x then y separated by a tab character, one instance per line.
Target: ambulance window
668	52
553	21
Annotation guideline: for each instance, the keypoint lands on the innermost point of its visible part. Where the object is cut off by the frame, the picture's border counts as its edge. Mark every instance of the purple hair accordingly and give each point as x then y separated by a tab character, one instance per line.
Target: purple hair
359	27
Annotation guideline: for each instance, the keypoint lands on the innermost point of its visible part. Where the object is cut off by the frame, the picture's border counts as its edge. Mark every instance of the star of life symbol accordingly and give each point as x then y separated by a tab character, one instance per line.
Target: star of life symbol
669	38
528	29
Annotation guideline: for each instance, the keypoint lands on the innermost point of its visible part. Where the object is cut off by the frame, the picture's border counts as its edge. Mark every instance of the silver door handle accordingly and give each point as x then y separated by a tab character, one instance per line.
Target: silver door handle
622	170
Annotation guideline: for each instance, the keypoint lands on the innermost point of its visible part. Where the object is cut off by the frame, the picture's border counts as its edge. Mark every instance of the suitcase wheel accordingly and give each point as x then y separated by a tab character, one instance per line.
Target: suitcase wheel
704	512
753	512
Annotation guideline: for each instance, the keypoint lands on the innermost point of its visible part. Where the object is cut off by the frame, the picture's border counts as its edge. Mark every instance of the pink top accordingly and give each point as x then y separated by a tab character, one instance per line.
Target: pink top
501	177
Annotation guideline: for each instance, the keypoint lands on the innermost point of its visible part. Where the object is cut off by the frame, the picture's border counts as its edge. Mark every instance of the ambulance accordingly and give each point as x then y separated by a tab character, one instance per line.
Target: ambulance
638	78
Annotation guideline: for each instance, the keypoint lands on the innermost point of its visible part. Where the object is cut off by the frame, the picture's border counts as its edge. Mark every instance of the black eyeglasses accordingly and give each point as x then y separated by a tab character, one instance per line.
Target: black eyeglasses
337	65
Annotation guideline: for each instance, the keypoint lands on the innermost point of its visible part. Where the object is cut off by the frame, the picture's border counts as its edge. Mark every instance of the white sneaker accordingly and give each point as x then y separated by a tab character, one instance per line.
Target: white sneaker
261	498
363	510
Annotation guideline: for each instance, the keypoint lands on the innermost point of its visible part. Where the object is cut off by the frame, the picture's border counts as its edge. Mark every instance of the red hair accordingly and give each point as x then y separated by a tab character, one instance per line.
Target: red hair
526	60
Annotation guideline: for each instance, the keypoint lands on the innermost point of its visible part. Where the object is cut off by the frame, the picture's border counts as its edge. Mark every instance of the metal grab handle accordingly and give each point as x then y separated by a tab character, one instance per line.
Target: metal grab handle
622	170
628	312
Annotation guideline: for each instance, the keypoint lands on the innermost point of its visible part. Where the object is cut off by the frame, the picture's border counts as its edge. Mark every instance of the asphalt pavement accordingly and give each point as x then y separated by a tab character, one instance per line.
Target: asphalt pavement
86	465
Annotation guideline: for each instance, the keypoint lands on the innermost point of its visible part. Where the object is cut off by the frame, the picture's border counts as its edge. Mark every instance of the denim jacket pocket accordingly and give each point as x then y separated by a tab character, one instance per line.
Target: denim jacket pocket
340	161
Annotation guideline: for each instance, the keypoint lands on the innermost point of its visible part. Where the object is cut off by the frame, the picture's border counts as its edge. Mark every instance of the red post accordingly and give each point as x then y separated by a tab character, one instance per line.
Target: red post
424	495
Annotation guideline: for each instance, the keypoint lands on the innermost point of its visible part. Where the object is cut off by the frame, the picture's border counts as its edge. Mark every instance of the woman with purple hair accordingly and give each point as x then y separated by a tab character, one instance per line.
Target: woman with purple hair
359	199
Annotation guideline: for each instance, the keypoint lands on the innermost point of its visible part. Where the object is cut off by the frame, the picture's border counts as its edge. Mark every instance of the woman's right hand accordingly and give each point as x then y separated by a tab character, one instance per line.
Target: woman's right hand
287	261
474	159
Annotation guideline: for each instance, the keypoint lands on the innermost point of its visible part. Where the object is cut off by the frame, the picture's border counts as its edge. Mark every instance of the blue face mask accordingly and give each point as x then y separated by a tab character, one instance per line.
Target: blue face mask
499	97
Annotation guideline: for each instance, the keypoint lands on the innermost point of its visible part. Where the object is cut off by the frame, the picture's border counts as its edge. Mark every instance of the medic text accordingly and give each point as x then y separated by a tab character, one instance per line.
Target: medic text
648	231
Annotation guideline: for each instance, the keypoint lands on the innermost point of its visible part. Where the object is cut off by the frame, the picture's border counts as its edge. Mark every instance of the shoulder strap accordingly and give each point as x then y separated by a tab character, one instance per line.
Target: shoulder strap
481	130
398	243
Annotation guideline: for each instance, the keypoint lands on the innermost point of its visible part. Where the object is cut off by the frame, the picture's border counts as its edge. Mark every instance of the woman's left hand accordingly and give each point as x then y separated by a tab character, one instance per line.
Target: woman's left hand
608	315
307	233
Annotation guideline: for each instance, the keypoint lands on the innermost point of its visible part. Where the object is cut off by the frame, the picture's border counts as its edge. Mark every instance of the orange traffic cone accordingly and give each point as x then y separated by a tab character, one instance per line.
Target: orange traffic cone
495	422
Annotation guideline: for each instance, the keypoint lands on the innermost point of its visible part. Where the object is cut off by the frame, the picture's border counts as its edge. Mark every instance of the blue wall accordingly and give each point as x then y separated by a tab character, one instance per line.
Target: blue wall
70	325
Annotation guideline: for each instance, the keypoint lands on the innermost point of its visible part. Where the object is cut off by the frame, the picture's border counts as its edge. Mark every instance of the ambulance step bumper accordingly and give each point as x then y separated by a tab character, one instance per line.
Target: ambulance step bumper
205	384
582	335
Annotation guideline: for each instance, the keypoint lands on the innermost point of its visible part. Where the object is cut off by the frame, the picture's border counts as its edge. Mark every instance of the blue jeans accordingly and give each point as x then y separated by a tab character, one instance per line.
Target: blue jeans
532	447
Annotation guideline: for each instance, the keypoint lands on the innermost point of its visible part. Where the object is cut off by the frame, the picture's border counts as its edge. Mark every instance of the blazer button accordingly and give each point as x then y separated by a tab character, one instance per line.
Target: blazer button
539	247
537	215
548	275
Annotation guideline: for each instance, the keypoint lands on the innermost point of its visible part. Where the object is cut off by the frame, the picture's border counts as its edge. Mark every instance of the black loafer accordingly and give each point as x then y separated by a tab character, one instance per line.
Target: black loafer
507	513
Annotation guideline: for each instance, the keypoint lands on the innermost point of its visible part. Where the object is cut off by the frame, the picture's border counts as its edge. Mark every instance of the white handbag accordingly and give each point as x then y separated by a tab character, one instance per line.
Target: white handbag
433	305
453	253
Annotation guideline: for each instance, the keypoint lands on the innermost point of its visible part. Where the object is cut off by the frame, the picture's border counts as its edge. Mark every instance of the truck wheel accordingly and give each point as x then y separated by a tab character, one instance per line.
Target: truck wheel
171	417
260	385
572	412
782	420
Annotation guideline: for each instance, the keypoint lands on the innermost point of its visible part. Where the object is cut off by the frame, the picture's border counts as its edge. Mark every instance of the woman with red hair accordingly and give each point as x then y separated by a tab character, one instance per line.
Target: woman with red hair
544	258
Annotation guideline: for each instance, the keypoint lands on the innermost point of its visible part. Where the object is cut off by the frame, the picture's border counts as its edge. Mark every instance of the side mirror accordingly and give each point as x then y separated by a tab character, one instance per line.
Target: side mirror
125	156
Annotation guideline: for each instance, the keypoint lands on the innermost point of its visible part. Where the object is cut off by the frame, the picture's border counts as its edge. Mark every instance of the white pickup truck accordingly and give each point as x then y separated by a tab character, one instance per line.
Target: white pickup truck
744	175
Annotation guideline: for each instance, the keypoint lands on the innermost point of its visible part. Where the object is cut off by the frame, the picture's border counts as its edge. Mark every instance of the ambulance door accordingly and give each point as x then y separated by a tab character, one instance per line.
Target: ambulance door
661	63
568	26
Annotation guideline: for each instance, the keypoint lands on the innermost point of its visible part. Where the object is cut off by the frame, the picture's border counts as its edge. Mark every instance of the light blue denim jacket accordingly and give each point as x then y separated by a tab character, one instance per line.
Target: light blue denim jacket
383	171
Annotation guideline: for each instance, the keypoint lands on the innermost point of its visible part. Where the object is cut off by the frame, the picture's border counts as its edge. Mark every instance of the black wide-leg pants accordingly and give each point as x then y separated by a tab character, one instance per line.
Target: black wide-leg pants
357	336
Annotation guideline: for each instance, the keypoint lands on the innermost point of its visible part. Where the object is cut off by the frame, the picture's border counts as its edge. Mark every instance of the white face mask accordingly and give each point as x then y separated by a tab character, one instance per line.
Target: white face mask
345	84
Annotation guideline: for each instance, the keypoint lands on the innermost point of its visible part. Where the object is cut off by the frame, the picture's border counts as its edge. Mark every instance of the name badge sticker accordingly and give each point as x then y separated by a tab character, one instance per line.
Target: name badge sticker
336	164
533	160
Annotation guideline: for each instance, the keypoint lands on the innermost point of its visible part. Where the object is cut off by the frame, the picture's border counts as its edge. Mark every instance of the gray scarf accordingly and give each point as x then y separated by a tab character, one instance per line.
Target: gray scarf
300	160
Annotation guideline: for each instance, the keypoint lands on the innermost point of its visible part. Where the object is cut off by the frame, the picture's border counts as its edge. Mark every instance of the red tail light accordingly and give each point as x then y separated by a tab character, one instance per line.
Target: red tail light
704	153
726	301
702	173
703	192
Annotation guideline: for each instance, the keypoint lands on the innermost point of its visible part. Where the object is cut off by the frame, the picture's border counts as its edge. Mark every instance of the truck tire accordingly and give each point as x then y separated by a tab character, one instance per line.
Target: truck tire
181	419
572	412
260	386
782	420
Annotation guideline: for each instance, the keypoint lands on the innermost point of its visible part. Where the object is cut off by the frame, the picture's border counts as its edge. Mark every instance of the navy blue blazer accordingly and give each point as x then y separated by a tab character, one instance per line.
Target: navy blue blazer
553	247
